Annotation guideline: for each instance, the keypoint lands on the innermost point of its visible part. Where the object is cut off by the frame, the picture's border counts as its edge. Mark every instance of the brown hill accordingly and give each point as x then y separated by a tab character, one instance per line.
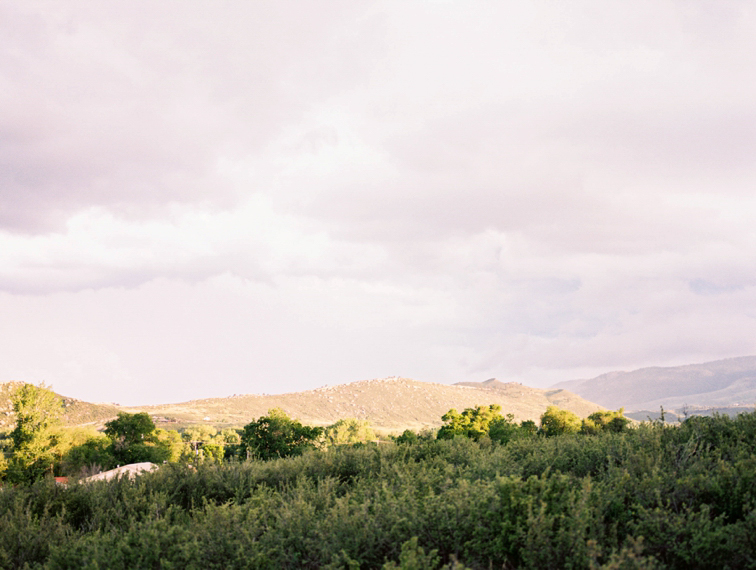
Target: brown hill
556	397
390	404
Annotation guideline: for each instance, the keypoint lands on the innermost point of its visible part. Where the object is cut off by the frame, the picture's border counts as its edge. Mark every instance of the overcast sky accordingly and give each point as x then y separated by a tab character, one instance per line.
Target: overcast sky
207	198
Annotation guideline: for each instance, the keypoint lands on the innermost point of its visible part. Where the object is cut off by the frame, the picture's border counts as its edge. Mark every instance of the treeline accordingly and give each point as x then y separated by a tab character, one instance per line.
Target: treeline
484	492
40	446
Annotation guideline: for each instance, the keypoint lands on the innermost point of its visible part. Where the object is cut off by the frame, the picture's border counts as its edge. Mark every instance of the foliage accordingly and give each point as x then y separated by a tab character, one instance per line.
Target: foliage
555	421
605	420
38	411
413	557
89	457
651	496
277	435
407	437
130	429
205	443
472	422
503	429
135	440
482	421
348	431
200	434
169	446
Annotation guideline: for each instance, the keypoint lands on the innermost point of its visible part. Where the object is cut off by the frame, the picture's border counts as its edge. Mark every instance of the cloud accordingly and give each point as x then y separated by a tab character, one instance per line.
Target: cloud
526	190
134	109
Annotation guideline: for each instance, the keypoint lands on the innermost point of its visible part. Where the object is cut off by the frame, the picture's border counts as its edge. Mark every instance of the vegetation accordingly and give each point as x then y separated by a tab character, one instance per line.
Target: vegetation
34	438
348	431
485	493
557	422
277	435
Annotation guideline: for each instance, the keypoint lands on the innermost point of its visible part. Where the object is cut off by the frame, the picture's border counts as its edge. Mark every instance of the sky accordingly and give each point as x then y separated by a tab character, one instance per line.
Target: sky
200	199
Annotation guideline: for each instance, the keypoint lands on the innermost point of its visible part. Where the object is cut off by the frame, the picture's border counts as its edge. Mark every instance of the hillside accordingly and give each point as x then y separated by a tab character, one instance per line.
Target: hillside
718	384
389	404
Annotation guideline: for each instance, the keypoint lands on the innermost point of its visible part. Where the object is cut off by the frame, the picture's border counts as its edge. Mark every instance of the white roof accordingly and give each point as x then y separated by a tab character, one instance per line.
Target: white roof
131	470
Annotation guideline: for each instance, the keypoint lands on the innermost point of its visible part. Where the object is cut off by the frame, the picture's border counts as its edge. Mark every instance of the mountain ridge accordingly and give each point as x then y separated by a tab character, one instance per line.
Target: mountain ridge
716	383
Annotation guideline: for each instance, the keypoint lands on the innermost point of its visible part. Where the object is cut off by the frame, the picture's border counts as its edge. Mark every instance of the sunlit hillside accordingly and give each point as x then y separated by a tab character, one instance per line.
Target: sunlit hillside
391	404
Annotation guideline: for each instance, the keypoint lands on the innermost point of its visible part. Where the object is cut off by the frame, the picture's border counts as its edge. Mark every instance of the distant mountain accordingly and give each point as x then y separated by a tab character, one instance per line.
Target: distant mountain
729	383
390	404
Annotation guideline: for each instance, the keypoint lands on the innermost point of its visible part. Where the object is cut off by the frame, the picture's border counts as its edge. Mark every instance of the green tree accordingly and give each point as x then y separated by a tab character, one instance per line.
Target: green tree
503	429
135	439
528	427
200	434
203	443
555	421
129	429
231	440
38	412
230	436
413	557
605	420
89	457
277	435
408	436
473	422
349	430
3	464
168	446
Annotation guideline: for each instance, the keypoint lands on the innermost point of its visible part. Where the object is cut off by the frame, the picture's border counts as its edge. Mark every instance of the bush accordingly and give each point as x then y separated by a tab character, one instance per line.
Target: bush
646	497
557	422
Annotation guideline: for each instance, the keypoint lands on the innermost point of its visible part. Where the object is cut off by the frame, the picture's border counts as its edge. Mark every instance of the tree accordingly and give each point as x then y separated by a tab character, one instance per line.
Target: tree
203	443
129	429
89	457
484	421
473	422
135	439
3	464
349	430
503	429
38	411
277	435
605	420
555	421
168	446
231	440
407	436
528	427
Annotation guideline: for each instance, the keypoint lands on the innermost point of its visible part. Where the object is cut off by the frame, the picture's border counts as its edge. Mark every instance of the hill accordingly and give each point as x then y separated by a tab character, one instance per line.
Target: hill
729	383
390	404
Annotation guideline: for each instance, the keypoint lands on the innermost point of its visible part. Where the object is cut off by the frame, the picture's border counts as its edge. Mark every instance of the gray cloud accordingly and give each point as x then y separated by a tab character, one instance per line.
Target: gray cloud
134	106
